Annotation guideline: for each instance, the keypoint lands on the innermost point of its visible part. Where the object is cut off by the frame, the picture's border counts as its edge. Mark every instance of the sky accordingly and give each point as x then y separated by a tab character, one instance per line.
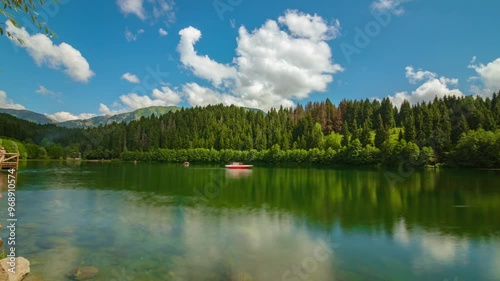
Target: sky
116	56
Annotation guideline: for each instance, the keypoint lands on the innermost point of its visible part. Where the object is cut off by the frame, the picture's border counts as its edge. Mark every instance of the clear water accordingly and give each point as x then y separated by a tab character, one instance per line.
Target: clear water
167	222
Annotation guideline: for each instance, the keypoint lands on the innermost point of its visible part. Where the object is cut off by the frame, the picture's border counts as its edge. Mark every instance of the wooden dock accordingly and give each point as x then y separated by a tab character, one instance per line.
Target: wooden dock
9	161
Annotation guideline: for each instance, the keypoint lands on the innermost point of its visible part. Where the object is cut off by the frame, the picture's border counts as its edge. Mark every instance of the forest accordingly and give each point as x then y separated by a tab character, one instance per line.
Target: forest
454	131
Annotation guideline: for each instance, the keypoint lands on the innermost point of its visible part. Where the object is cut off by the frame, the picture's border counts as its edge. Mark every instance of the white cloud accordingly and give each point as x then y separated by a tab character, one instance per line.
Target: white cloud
163	96
162	32
132	7
130	36
154	9
275	63
202	66
311	27
420	75
105	110
66	116
167	95
133	101
201	96
43	51
46	92
131	78
394	6
430	88
8	103
489	75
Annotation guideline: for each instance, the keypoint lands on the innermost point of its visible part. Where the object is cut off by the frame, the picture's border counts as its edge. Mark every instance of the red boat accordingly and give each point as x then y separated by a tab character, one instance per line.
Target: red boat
238	165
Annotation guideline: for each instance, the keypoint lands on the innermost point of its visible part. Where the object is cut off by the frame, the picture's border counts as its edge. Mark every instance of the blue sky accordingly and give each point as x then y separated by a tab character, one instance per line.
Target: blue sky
116	56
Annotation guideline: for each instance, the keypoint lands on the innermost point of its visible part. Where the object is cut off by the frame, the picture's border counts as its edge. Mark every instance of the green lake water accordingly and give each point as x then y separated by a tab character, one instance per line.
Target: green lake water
167	222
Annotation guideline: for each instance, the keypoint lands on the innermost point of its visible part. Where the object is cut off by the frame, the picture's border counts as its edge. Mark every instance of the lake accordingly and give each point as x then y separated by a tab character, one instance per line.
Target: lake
149	221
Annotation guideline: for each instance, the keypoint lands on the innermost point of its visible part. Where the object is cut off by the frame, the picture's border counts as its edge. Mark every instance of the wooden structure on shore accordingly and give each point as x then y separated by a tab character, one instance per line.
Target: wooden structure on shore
9	161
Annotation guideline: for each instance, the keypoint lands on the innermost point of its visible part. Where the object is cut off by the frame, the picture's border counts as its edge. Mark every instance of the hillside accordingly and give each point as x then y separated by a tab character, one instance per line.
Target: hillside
123	117
28	115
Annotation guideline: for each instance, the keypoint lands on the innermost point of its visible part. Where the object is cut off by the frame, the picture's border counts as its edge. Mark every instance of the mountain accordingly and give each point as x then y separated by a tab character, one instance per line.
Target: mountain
123	117
28	115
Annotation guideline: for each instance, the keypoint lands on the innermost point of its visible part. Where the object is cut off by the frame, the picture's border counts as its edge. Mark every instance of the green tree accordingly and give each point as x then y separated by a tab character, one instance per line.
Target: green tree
366	137
346	134
408	121
381	133
11	8
316	137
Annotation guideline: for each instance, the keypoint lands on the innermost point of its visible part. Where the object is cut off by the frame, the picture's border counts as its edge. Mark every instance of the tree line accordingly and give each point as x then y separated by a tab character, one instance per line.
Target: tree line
462	131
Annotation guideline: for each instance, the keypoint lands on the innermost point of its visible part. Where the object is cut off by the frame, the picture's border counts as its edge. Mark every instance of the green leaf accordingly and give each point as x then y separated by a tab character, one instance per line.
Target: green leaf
14	22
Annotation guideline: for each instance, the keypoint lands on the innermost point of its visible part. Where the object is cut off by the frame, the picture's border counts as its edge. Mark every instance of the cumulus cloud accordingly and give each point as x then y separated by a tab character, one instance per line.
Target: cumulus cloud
163	96
488	75
162	32
393	6
8	103
134	101
130	36
153	9
43	51
66	116
131	78
201	66
105	110
45	92
167	95
431	87
281	61
276	63
308	26
419	75
201	96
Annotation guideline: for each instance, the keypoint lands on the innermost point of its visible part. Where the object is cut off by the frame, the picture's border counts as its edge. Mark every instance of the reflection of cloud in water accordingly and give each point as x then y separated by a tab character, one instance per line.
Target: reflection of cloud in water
438	250
435	250
401	234
494	268
263	246
114	229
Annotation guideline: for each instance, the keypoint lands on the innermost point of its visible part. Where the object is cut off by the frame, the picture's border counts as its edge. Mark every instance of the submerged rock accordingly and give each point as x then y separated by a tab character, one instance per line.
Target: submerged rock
83	273
22	269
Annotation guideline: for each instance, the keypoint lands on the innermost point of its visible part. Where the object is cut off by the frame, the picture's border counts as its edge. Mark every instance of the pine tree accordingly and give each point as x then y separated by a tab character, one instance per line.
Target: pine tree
365	136
345	133
381	133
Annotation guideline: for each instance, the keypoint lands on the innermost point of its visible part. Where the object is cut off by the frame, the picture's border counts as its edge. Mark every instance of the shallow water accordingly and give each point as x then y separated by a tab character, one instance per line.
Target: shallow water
167	222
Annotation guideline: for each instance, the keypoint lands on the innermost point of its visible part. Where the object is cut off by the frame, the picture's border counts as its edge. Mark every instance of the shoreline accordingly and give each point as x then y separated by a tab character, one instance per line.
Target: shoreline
267	164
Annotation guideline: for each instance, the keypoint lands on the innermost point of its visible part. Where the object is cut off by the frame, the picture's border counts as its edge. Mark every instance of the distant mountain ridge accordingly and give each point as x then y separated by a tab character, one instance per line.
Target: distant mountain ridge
28	115
92	122
98	120
123	117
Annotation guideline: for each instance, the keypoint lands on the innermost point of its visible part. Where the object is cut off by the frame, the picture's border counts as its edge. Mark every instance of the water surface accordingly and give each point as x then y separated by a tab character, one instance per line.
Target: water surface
167	222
